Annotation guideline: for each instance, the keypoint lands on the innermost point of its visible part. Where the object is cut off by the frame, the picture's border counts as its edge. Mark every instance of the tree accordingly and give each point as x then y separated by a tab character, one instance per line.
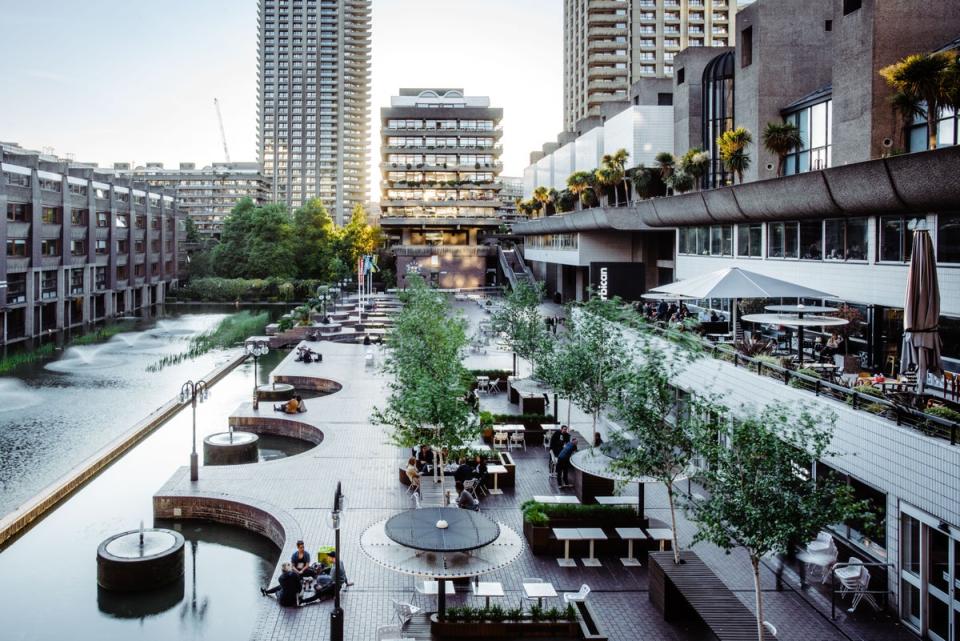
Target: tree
928	78
357	238
257	242
659	432
519	318
566	201
759	493
680	181
618	162
541	195
578	183
647	182
695	163
733	150
607	178
781	138
427	402
597	354
557	367
190	227
666	161
315	235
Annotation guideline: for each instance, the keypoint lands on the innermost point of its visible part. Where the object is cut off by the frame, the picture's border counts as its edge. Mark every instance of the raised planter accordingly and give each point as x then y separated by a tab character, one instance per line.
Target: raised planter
510	478
528	629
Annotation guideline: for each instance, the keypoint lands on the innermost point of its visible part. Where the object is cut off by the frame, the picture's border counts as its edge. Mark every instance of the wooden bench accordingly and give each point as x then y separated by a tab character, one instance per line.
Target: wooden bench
677	591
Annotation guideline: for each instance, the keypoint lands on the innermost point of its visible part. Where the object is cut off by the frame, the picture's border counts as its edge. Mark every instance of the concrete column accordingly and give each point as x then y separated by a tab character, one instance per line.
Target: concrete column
581	283
61	298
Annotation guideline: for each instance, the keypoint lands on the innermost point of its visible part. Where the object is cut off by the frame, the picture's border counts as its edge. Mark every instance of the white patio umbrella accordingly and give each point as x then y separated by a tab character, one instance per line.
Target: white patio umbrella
921	310
735	283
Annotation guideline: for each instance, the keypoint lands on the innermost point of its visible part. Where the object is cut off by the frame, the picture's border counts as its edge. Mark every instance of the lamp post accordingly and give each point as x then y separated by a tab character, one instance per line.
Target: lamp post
256	349
194	392
336	615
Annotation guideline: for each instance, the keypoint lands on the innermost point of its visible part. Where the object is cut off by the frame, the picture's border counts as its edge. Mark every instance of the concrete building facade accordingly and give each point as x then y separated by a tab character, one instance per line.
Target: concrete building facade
82	245
608	45
440	160
206	195
314	101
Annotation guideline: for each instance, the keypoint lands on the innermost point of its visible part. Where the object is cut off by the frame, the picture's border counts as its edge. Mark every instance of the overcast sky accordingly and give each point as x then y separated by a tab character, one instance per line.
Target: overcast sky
126	80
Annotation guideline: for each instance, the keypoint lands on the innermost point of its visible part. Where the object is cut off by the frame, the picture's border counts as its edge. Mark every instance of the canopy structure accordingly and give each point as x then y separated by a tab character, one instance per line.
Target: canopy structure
921	310
735	283
796	316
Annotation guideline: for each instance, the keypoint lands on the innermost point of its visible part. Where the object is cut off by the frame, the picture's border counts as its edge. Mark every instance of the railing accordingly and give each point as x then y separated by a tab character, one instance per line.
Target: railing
902	415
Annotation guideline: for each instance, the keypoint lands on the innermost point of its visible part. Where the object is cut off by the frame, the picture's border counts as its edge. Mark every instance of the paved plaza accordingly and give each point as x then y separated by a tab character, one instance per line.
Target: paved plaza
298	493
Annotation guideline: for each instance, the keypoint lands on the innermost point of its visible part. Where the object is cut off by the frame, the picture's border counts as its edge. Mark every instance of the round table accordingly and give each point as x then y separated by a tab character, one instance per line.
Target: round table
466	530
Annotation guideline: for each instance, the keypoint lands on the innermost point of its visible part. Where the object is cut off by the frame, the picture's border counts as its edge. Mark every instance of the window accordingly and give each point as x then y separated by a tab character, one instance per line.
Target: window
17	180
750	240
50	216
78	248
869	536
746	47
947	127
18	213
16	288
706	241
76	281
102	248
16	247
845	239
48	284
895	241
103	219
948	238
123	246
665	99
123	272
78	216
783	240
50	185
141	222
849	6
100	278
123	221
811	240
681	75
828	25
717	109
815	124
50	247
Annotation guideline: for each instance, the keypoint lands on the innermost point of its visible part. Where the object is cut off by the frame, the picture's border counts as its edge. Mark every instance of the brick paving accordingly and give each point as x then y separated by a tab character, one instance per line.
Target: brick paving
298	492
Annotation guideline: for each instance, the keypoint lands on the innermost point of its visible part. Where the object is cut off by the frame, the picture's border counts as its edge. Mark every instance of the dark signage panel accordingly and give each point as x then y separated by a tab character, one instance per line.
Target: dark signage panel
625	280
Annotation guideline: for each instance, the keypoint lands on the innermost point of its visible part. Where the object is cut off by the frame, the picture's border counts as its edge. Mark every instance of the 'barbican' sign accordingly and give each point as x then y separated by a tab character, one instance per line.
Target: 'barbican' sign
625	280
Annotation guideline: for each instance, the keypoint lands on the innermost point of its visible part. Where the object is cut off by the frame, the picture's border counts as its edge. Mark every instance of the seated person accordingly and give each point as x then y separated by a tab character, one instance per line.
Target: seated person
467	502
413	473
324	584
480	472
425	459
289	587
301	561
294	406
463	472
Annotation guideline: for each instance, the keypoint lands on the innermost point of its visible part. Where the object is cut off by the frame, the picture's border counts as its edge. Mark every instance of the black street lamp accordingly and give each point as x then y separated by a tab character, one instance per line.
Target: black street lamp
194	392
336	615
256	349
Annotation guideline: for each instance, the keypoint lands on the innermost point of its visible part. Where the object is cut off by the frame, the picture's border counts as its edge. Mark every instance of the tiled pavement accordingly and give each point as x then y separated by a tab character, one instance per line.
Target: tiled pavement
354	451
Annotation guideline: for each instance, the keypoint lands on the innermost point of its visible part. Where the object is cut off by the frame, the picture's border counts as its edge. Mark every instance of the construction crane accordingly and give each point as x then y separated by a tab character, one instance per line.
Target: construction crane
223	135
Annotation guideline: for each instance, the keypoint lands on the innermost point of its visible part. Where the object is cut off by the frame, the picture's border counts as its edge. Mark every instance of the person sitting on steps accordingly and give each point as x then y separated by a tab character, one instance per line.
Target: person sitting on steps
294	406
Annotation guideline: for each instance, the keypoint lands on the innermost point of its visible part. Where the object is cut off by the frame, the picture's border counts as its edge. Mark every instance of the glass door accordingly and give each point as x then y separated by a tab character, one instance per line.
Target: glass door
930	576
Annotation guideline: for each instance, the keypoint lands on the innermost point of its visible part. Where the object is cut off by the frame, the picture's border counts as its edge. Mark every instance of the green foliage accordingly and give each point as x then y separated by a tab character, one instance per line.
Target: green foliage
486	420
427	391
190	227
570	614
519	318
944	413
536	613
780	138
285	323
231	331
578	183
666	162
802	384
929	83
756	496
515	614
648	182
732	145
535	513
228	290
553	614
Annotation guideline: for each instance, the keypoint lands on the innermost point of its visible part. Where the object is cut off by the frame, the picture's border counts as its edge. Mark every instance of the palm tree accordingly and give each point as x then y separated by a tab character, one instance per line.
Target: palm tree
666	161
781	138
732	145
619	161
695	163
680	181
542	195
606	178
578	183
929	78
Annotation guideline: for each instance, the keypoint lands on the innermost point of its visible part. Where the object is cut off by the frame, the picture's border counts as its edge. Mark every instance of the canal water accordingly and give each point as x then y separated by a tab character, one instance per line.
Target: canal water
55	414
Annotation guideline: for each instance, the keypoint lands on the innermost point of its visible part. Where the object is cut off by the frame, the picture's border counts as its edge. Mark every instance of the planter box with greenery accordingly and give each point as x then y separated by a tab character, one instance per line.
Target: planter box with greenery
539	519
496	622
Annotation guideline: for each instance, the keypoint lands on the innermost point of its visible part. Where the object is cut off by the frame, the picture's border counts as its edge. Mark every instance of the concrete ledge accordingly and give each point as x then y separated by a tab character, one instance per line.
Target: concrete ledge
268	421
314	384
48	498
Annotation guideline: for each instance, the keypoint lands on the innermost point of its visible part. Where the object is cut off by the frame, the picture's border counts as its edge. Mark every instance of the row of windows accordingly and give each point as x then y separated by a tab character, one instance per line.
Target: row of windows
20	213
400	141
467	125
832	239
552	241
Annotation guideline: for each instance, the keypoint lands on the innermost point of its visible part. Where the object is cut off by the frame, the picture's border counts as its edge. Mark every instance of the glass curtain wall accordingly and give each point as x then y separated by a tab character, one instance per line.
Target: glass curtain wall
718	116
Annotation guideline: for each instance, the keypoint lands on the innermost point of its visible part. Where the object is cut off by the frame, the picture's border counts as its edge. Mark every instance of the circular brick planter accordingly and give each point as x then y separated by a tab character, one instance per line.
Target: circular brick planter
123	564
275	392
219	449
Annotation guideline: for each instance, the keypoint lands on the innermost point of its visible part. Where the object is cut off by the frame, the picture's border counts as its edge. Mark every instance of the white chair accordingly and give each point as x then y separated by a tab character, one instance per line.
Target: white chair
770	628
553	463
404	611
500	441
389	633
822	553
414	487
850	576
470	485
577	597
517	438
494	386
416	500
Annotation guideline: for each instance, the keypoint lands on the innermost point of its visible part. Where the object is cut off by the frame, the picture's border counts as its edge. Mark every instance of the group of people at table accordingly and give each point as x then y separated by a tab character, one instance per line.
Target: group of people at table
300	574
423	461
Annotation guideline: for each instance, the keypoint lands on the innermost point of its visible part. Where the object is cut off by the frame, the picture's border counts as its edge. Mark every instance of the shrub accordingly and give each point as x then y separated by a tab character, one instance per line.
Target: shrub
943	412
496	613
285	323
553	614
571	613
802	384
523	418
536	613
515	614
540	514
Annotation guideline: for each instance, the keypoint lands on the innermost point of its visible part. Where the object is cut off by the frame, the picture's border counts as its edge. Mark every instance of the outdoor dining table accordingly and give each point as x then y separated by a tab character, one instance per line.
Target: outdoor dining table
662	535
630	534
483	383
617	500
540	590
591	534
511	427
496	470
487	589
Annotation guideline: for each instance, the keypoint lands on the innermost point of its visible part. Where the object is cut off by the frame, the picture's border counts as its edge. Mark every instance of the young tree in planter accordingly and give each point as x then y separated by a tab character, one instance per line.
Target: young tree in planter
597	355
660	431
519	318
558	368
427	402
759	492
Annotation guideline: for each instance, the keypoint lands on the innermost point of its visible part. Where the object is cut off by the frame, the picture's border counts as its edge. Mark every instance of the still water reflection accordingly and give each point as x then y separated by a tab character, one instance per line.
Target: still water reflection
51	419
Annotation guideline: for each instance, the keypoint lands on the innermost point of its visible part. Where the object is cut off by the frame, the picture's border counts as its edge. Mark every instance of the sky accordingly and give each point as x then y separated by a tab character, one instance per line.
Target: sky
131	81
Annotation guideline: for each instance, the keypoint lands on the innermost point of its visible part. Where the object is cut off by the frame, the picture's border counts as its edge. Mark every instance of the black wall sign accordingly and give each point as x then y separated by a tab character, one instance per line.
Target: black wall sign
625	280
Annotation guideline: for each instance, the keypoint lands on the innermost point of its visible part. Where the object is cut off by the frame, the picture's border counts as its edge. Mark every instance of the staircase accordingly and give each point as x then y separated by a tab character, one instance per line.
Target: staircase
513	267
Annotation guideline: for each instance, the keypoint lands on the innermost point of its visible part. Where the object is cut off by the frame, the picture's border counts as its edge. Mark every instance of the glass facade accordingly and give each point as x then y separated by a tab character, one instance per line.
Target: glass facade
814	123
718	114
916	134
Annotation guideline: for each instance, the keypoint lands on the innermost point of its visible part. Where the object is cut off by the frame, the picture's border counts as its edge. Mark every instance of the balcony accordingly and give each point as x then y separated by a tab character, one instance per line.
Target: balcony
600	58
454	250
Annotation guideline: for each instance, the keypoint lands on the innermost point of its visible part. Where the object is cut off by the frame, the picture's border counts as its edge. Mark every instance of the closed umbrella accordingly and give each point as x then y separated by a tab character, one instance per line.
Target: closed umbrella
921	310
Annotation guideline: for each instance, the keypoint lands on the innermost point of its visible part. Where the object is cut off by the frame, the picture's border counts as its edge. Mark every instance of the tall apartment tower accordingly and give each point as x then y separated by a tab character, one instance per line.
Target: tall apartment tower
314	101
610	44
440	159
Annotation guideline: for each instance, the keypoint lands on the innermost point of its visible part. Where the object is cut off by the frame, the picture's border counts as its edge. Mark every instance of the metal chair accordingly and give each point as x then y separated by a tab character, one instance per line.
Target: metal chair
517	438
389	633
470	485
577	597
404	611
500	441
